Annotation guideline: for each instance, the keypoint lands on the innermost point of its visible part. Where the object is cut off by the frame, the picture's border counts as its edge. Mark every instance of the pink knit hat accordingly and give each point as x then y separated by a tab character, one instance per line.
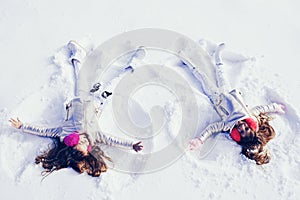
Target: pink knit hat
72	139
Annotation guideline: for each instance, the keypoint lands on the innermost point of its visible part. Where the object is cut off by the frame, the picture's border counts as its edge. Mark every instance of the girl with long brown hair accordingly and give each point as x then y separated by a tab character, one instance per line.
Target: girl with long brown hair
250	128
73	145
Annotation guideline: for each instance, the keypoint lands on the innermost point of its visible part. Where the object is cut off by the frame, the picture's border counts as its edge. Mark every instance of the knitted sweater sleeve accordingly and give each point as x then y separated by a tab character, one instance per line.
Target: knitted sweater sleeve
41	131
270	108
211	129
113	141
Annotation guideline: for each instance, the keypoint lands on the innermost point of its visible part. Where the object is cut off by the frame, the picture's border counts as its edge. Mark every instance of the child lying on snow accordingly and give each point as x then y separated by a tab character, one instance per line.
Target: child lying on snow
72	146
250	128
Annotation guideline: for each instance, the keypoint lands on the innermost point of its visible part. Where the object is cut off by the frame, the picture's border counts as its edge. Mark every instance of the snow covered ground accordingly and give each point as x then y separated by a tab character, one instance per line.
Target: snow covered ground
262	59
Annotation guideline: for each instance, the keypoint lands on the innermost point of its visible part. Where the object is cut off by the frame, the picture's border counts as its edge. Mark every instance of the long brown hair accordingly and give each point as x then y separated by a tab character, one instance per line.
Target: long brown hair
60	156
253	146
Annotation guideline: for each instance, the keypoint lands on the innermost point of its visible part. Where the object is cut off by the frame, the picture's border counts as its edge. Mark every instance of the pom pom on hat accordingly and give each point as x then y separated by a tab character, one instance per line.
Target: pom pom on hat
72	139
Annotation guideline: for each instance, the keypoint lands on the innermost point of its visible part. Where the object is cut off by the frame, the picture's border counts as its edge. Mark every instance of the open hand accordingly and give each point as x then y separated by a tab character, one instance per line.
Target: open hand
281	109
137	146
195	143
15	122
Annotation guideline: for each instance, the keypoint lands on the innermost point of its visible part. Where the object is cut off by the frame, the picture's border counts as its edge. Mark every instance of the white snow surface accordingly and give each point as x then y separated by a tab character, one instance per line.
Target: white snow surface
261	59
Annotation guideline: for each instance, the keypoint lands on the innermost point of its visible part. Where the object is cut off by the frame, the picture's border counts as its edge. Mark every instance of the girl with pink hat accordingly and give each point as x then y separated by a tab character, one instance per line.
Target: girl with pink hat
73	146
250	128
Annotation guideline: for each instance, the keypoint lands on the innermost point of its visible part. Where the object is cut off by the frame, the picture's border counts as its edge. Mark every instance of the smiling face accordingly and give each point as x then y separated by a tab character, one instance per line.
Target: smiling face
82	149
83	144
243	129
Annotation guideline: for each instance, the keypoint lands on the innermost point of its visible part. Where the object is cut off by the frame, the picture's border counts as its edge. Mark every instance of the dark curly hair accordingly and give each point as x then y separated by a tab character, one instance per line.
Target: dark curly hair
60	156
253	145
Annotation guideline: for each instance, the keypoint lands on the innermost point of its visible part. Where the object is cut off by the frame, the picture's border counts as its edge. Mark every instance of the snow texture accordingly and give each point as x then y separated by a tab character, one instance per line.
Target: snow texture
261	60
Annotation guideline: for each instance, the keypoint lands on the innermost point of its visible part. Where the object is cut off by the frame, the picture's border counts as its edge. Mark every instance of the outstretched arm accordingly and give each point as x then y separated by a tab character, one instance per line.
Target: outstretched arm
209	130
35	130
271	108
113	141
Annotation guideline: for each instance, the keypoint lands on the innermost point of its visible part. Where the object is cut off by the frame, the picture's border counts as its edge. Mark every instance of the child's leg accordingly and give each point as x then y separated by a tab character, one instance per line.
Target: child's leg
76	67
77	55
223	83
208	87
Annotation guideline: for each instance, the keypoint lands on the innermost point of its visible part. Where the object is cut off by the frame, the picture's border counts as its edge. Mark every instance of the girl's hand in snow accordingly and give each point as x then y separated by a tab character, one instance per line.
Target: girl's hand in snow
195	143
16	123
137	146
280	108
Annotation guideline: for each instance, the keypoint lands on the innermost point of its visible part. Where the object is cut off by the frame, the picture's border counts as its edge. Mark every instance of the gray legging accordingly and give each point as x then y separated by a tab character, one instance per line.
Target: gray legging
210	89
76	67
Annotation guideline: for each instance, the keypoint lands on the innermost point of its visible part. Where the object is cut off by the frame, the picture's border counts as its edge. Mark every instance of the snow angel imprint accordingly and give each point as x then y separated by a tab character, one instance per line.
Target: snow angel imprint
250	128
72	145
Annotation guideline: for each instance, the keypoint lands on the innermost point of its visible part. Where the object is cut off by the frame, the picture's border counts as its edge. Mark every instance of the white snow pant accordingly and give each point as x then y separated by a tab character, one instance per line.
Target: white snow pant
213	88
76	67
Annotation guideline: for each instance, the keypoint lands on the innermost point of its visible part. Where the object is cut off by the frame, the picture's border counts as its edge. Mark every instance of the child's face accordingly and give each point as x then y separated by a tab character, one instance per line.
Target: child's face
82	148
83	144
243	128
